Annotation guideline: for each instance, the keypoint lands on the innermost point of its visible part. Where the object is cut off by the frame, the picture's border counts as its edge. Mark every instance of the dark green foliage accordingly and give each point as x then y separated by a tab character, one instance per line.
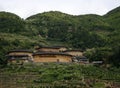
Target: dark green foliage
11	23
51	24
84	39
115	58
113	18
60	26
99	54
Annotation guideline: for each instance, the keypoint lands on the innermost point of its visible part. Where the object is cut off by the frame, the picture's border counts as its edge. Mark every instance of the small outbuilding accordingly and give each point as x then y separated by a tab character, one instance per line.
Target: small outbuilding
81	59
97	62
51	57
20	56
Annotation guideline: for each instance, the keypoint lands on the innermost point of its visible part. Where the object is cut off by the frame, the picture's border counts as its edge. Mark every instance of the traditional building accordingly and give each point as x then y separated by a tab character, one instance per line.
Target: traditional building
46	54
51	49
51	57
20	56
77	56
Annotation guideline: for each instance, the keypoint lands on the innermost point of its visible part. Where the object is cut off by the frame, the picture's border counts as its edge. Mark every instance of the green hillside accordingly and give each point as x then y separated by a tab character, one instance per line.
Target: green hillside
79	31
11	23
47	22
98	36
113	18
15	35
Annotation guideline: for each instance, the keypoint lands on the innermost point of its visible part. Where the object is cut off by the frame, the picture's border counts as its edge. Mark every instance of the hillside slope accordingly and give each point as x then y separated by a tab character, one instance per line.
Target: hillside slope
75	30
113	18
11	23
99	33
60	23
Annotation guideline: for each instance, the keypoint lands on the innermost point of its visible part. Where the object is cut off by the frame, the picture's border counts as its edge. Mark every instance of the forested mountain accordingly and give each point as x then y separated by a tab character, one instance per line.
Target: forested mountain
113	18
11	23
98	36
79	31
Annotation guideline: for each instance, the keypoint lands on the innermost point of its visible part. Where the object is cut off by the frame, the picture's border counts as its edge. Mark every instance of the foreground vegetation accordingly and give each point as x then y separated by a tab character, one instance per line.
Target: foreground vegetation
59	75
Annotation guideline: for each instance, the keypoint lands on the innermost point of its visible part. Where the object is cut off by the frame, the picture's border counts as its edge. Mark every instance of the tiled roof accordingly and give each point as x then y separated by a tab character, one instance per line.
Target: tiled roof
20	50
17	55
73	50
51	47
50	53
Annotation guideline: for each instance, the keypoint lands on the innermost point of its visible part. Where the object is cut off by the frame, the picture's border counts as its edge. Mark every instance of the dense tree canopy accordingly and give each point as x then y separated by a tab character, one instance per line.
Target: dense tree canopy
11	23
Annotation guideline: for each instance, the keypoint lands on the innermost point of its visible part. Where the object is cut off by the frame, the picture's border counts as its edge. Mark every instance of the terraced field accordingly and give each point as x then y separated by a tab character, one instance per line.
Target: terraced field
58	75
